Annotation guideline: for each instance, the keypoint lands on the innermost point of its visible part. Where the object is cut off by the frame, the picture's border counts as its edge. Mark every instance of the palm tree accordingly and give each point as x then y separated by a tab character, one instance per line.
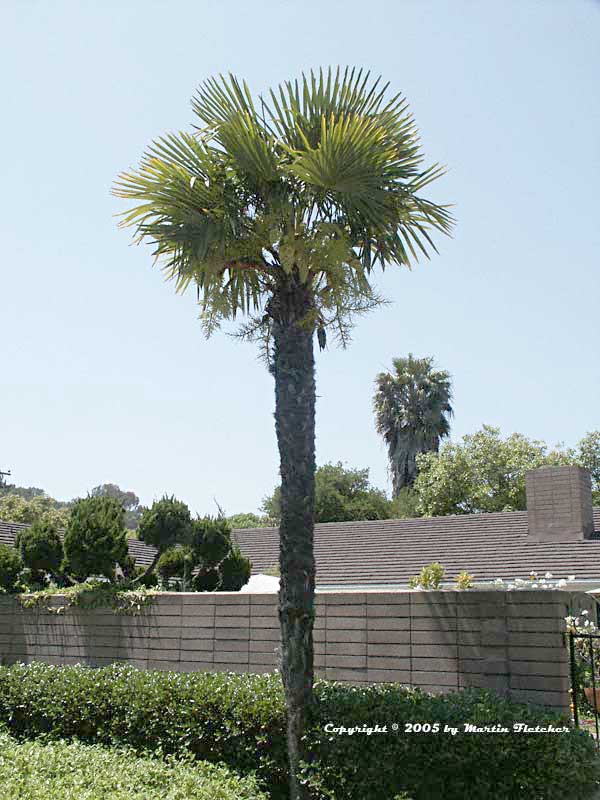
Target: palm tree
278	210
412	413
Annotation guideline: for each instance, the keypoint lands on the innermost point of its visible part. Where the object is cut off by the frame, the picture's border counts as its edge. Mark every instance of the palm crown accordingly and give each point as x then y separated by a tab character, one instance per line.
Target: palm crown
323	179
412	413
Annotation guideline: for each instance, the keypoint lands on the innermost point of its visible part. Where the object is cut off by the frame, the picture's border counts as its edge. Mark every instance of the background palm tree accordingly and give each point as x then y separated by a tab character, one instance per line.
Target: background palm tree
280	209
412	413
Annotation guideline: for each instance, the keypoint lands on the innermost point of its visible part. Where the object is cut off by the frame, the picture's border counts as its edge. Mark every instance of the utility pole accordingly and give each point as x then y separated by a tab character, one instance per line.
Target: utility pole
2	476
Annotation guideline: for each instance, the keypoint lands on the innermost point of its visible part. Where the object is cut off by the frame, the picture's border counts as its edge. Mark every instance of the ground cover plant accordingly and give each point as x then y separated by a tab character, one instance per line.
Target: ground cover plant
239	720
75	771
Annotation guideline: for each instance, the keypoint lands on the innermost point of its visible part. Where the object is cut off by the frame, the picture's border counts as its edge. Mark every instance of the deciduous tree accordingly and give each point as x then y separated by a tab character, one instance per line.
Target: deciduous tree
341	495
15	508
482	472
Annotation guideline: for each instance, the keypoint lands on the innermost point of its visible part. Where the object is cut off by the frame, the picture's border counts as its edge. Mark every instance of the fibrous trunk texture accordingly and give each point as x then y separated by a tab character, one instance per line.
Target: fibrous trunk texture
294	369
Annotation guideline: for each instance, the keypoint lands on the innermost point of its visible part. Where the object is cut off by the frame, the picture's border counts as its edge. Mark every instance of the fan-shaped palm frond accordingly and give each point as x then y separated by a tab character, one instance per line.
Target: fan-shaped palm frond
325	178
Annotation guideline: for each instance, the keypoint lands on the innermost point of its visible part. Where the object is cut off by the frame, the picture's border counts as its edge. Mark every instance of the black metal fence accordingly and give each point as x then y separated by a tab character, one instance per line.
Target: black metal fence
585	680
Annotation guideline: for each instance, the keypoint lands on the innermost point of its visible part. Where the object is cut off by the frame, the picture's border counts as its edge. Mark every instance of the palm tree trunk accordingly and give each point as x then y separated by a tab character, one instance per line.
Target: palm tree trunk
293	369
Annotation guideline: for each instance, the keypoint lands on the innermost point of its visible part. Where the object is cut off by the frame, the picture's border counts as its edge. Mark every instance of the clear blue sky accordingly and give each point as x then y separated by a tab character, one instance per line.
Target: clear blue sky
105	374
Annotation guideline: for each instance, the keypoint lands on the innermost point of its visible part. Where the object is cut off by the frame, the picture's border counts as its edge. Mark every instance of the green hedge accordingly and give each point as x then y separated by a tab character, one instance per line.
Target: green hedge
75	771
236	719
239	720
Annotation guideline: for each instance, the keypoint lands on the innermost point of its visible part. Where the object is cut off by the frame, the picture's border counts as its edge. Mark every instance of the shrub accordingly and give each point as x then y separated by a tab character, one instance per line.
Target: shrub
235	719
464	580
10	567
235	571
165	524
57	771
221	564
95	539
240	720
41	549
478	766
171	564
122	598
430	577
175	563
208	581
211	541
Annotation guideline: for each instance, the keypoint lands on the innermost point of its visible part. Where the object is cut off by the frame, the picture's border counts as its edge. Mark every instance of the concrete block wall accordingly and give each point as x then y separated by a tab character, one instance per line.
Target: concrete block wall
440	641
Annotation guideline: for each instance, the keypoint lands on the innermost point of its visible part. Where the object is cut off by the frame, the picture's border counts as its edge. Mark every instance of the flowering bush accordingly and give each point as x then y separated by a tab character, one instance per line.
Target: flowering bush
548	581
586	649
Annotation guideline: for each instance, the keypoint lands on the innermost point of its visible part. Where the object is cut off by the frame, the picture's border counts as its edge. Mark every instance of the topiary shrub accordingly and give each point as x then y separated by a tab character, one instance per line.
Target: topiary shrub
41	549
95	539
221	566
202	548
10	568
175	563
211	541
235	571
207	581
164	525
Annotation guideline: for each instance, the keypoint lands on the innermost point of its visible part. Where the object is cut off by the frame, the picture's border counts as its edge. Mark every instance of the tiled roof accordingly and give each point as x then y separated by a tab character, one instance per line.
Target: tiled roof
389	552
488	546
142	553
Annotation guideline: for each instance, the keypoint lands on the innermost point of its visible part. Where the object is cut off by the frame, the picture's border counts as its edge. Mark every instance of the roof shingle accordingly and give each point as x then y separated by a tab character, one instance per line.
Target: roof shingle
391	551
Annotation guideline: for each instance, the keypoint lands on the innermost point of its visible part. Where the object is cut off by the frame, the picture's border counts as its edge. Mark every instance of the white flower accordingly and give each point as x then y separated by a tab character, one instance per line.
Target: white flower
570	577
586	623
498	581
532	575
520	581
534	586
562	582
548	576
